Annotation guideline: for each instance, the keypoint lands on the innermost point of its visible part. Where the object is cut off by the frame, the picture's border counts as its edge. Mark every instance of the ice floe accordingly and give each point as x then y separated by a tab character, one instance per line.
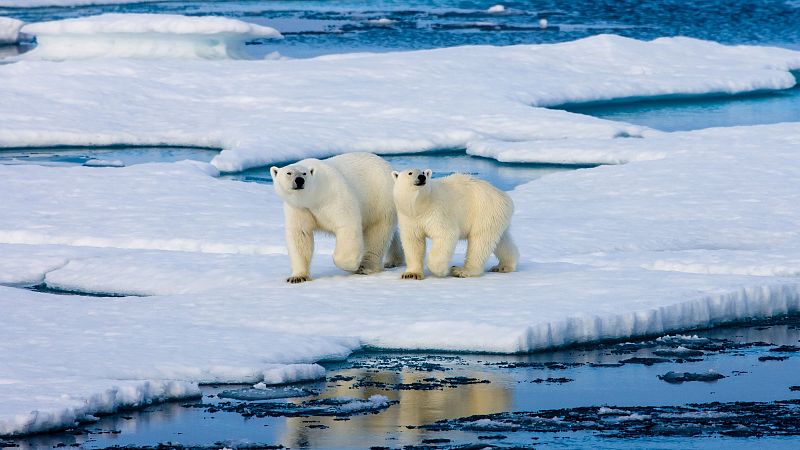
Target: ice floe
9	30
144	36
42	3
696	229
74	357
260	112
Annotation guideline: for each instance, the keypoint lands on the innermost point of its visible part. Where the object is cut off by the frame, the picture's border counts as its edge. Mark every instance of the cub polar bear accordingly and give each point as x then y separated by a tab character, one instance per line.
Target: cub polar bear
446	210
349	196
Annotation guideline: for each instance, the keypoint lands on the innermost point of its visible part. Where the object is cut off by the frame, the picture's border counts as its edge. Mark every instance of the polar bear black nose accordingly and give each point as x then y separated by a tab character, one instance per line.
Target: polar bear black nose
421	178
299	182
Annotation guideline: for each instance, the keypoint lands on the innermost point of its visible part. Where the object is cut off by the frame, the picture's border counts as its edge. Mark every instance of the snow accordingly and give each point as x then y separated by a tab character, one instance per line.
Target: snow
496	9
144	36
688	230
9	30
261	112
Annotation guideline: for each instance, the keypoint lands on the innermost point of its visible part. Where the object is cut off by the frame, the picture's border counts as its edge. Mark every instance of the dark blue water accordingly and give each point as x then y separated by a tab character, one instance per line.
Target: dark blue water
320	27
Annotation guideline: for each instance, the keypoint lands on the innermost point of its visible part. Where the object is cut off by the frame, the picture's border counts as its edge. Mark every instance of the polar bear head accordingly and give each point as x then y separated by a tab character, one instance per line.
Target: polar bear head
413	179
295	183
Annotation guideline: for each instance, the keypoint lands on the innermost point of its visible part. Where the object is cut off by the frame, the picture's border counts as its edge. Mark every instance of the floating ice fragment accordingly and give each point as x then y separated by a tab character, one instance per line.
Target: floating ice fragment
9	30
383	21
104	163
681	377
496	9
144	36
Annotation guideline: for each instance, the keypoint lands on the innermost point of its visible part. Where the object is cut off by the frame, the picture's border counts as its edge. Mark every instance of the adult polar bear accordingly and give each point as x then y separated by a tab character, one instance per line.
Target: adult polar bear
349	196
446	210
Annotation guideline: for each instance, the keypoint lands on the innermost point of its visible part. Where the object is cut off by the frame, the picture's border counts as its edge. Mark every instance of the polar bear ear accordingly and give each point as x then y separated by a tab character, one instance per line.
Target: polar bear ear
396	174
428	173
274	171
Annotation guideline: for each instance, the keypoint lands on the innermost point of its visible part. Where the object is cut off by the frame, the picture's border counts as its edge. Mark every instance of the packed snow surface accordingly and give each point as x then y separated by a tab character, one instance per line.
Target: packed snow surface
9	30
144	36
599	260
690	230
260	112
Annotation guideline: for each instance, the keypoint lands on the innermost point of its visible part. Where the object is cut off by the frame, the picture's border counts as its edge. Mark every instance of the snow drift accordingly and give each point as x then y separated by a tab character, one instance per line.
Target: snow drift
144	36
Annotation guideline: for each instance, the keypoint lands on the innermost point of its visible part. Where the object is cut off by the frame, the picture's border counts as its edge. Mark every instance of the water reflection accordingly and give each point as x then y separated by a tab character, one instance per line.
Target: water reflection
415	407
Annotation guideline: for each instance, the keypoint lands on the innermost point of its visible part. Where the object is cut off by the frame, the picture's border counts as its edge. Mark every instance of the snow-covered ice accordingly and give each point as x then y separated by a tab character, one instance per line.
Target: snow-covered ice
41	3
261	112
144	36
690	229
496	9
9	30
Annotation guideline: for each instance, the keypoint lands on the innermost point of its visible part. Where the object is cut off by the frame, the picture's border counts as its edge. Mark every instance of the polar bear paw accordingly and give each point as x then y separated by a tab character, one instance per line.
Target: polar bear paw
501	269
294	279
461	272
366	270
412	276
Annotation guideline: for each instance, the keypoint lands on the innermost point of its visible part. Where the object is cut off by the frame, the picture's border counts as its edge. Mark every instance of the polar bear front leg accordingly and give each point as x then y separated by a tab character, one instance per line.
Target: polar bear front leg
442	248
300	243
349	249
413	240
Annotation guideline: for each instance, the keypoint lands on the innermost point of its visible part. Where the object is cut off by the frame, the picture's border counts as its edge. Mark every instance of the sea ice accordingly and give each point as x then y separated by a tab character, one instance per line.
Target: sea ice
261	112
9	30
41	3
143	36
695	229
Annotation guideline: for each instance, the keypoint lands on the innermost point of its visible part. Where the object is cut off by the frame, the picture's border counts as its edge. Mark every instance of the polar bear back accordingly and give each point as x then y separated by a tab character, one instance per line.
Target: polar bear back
472	202
369	178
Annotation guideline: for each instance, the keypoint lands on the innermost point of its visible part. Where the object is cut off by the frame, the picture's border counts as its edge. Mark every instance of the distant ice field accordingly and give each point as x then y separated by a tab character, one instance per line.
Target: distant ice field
322	27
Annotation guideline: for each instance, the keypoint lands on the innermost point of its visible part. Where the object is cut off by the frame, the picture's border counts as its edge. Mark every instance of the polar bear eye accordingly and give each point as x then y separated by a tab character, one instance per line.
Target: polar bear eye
409	173
304	173
288	174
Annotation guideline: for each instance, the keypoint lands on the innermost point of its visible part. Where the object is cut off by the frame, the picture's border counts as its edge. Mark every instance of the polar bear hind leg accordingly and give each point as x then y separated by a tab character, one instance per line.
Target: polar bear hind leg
395	256
480	246
507	254
442	249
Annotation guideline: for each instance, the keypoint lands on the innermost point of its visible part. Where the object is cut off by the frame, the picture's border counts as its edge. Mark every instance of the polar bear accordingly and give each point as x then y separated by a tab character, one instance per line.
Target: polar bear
349	196
446	210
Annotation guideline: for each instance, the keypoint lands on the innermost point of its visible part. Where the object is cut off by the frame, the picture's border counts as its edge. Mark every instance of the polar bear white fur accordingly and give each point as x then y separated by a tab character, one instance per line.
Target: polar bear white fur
349	196
447	210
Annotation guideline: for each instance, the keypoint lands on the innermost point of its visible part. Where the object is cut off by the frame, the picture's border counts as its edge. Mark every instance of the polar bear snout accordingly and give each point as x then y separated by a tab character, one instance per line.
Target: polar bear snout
420	181
298	183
